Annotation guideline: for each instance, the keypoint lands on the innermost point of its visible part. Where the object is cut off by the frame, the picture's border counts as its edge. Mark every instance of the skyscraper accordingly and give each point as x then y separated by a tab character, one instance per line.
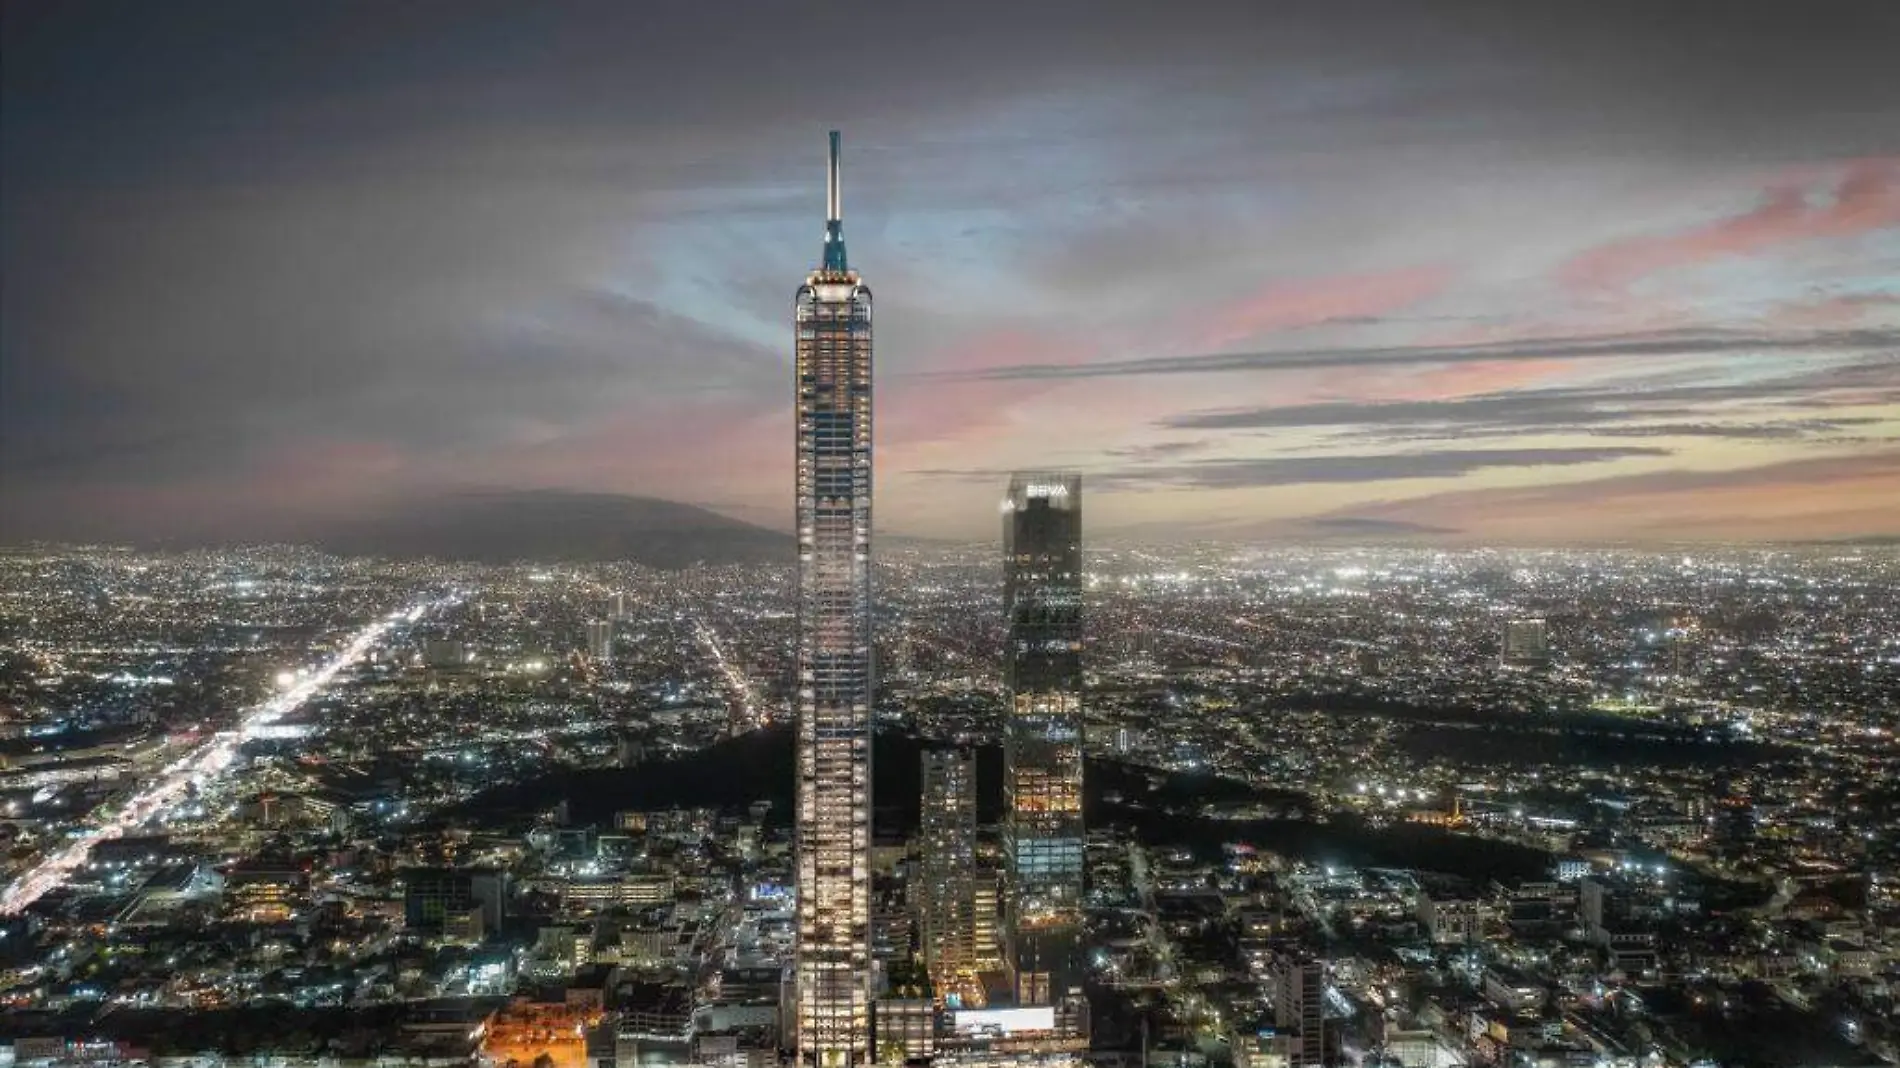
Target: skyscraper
833	390
1043	838
947	875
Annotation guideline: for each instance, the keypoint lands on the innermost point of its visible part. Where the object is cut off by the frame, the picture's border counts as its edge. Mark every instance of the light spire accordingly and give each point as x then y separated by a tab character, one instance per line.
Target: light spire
834	213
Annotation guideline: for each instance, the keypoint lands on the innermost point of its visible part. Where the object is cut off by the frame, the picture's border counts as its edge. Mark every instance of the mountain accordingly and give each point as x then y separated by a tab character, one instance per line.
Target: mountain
557	527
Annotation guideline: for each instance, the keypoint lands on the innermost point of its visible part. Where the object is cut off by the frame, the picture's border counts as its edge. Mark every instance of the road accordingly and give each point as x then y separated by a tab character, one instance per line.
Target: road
740	686
200	765
1158	942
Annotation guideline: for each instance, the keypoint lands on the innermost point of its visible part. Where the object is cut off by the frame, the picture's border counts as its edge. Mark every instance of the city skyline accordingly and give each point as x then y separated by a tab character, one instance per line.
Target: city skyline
1578	276
407	654
1340	801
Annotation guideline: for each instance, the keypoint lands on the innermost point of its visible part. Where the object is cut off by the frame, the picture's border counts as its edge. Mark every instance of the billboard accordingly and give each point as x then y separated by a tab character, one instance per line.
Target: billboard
1006	1021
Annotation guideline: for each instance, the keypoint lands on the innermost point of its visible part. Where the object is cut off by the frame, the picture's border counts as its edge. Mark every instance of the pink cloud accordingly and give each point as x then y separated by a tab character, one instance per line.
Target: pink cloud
1452	380
1314	301
1863	198
1458	379
916	410
1823	496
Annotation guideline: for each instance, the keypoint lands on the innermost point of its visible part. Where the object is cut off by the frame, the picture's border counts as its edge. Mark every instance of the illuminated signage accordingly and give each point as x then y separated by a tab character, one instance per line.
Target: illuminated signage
1006	1021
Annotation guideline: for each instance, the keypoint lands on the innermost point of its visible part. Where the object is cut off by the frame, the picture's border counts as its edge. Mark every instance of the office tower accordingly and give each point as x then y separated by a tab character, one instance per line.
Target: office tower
1042	834
833	384
1299	991
1525	644
947	868
432	896
600	640
617	607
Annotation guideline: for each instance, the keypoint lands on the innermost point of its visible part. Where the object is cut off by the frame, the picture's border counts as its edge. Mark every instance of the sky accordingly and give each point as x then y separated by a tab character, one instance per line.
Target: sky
1490	272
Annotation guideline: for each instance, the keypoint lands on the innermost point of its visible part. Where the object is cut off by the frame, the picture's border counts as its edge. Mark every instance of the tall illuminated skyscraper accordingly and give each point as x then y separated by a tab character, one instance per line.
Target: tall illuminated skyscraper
833	959
1043	837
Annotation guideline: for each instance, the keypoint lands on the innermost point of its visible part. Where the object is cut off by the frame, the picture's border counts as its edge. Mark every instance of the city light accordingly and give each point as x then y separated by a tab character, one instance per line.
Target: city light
191	770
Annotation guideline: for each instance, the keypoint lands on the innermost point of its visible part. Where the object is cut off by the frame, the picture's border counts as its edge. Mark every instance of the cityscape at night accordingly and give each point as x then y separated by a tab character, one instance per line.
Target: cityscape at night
558	801
1348	542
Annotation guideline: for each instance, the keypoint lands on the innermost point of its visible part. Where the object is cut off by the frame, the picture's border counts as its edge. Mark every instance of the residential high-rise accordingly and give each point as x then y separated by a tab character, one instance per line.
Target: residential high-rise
1299	991
1043	836
947	868
600	639
833	395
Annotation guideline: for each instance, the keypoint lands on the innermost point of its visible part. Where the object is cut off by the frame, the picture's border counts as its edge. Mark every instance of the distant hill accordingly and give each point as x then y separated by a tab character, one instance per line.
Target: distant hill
557	527
477	526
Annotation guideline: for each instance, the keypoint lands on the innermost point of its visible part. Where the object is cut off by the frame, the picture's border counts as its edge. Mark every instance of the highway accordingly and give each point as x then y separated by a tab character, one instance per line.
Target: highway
199	766
740	687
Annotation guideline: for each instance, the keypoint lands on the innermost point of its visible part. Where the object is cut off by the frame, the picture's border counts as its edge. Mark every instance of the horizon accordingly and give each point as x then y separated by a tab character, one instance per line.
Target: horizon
1347	538
1566	279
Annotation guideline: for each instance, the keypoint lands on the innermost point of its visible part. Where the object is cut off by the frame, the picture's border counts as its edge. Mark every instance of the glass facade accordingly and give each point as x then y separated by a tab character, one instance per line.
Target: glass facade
1043	834
833	393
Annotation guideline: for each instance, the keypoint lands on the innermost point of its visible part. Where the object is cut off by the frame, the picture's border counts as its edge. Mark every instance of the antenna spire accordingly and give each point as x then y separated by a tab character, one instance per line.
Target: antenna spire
834	207
834	212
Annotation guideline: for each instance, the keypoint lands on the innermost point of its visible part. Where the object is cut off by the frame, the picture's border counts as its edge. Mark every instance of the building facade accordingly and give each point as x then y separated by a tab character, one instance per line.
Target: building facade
947	865
1299	992
600	639
833	469
1043	834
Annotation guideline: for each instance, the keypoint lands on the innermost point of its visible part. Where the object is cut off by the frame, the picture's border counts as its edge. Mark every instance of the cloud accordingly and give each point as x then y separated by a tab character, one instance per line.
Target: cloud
1512	410
1865	198
228	327
1673	343
1355	299
1837	310
1339	468
1824	468
1833	495
1615	410
1368	526
1786	430
256	258
1365	467
1160	450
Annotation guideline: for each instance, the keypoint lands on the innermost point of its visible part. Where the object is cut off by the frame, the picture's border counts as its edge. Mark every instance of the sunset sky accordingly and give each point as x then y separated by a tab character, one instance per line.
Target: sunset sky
1466	271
